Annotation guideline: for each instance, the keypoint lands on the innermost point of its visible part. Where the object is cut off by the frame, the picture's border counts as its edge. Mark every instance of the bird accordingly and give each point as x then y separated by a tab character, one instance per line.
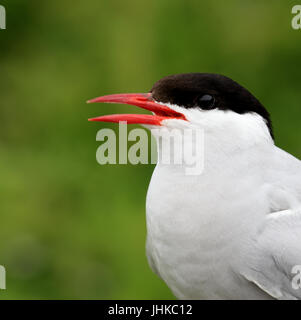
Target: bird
232	232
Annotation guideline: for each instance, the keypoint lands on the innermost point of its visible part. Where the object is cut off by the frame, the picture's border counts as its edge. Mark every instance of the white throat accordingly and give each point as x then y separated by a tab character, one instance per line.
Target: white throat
210	137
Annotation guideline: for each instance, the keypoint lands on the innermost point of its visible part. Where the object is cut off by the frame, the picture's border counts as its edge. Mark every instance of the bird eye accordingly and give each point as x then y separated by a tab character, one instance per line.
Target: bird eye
206	101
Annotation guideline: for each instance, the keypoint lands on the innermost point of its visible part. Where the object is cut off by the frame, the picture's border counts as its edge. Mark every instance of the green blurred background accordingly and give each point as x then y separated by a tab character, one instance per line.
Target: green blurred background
70	228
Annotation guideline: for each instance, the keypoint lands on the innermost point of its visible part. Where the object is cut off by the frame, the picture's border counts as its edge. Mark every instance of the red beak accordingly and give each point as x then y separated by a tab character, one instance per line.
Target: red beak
142	100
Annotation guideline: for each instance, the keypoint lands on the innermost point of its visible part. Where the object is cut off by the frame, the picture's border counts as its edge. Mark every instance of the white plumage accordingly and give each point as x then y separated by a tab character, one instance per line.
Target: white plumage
233	232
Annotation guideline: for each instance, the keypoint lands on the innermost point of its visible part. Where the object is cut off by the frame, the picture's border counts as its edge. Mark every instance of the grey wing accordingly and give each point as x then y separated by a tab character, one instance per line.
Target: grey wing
273	262
273	259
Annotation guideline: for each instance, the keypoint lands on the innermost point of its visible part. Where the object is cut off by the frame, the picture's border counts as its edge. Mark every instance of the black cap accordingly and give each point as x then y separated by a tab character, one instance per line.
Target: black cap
208	91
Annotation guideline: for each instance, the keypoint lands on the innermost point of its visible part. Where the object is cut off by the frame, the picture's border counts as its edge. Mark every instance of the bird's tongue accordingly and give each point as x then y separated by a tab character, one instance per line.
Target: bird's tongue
142	100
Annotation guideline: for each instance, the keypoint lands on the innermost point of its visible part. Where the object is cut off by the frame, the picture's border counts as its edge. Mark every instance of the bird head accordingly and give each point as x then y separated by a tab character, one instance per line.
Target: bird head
192	100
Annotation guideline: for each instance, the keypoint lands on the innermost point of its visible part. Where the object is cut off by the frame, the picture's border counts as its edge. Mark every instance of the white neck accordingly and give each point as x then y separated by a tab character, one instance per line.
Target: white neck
210	137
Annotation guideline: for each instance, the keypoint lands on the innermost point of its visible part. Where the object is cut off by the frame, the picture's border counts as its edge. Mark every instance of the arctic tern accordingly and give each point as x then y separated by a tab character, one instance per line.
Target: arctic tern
234	231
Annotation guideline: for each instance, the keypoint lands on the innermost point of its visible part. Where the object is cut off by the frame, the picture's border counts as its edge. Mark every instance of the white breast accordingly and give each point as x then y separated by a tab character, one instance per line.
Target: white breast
198	225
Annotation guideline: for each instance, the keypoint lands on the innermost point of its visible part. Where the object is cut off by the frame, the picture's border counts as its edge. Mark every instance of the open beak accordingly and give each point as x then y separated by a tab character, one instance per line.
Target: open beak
142	100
